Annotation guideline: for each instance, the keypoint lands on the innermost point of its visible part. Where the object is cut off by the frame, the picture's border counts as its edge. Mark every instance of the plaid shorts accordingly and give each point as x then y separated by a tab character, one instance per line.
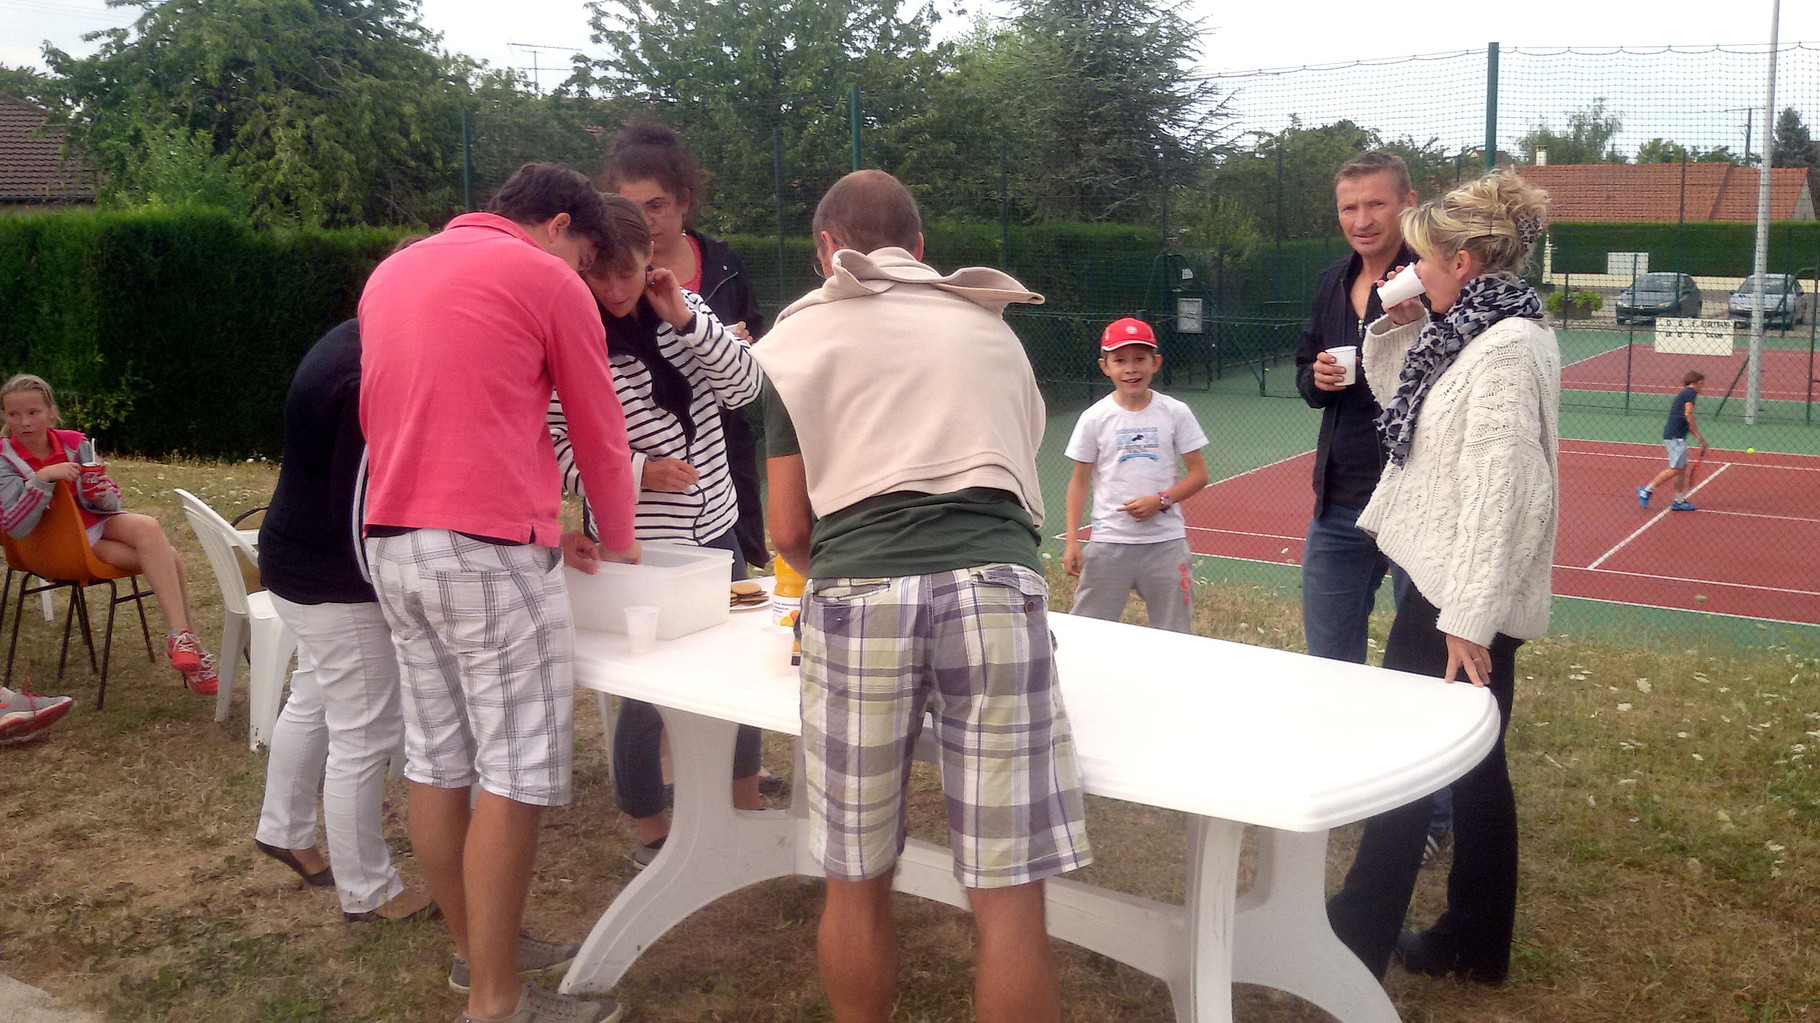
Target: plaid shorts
1677	451
972	648
486	651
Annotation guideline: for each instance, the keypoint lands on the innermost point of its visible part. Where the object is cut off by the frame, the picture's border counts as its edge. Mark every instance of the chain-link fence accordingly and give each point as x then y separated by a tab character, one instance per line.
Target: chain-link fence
1652	162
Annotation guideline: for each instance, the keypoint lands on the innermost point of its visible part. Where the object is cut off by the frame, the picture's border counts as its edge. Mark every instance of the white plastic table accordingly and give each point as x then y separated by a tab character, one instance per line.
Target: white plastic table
1229	734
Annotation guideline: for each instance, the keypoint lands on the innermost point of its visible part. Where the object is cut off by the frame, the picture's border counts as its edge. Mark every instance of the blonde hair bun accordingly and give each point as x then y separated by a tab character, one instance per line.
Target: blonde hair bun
1498	218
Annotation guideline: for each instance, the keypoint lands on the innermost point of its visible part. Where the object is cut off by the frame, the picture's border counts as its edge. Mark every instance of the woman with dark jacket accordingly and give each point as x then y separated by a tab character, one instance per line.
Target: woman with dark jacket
649	165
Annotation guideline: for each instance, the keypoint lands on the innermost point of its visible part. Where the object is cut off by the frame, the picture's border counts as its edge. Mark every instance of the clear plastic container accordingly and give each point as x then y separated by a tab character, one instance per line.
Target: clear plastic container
687	584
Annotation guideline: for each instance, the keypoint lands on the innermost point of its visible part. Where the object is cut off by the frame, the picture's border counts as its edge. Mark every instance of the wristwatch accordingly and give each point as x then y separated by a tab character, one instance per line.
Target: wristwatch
1163	496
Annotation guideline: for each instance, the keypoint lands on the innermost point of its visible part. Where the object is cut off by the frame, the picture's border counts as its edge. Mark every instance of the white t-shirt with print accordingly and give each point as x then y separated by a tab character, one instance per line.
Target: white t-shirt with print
1133	454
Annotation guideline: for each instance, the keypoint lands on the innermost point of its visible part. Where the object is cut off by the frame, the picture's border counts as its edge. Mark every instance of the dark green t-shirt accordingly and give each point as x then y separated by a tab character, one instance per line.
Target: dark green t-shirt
909	532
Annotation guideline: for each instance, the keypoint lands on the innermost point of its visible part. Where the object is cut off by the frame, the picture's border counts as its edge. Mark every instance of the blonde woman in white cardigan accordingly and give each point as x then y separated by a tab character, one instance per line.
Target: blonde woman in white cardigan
1467	505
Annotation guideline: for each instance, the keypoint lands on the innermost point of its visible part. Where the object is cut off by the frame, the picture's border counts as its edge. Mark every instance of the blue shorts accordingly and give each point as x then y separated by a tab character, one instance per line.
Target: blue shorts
1677	452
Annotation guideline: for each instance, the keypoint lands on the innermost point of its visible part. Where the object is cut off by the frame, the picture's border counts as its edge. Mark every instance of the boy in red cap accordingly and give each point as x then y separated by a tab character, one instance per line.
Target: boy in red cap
1126	447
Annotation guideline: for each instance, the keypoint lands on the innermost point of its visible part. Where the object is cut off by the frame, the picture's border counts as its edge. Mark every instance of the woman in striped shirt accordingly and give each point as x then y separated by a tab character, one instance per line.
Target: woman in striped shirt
675	368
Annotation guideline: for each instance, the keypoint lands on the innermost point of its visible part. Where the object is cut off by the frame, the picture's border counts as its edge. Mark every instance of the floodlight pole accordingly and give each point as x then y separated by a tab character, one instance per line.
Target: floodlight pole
1754	386
1491	106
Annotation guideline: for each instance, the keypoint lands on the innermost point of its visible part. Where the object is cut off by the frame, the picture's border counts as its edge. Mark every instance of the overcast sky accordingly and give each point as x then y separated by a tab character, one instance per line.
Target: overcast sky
1252	35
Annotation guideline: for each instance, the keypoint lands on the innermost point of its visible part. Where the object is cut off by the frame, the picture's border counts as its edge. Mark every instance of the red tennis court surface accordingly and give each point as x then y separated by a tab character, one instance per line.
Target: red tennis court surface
1785	373
1752	550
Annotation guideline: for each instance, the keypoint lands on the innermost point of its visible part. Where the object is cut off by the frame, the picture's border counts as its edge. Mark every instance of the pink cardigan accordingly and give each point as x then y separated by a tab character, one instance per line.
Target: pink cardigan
463	337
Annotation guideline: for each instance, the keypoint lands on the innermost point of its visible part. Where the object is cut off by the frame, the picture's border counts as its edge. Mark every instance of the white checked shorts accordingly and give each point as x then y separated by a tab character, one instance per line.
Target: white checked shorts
971	647
1677	451
486	650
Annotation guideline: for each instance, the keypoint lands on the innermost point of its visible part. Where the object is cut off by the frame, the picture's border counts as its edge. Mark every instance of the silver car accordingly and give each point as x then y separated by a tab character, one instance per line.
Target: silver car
1784	303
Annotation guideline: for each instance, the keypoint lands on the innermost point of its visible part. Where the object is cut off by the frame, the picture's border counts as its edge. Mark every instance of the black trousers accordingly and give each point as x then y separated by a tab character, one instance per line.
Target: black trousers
1475	931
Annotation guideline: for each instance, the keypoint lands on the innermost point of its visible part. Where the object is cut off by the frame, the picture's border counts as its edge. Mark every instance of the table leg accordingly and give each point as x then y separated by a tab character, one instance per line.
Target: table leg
1213	880
713	850
1283	939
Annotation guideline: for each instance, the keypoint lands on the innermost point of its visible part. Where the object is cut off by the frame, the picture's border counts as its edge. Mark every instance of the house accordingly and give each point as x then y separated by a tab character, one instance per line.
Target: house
1668	193
35	172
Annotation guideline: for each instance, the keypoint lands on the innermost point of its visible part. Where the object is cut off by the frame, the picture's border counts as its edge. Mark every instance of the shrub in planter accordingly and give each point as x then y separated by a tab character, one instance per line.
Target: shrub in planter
1573	305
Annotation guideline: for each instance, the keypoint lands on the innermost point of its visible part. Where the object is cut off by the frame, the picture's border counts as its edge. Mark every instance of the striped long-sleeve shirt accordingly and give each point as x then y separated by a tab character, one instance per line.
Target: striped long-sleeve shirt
722	375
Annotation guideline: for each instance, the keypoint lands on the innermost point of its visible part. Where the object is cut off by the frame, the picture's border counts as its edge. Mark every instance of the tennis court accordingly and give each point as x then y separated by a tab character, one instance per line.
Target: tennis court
1639	368
1752	550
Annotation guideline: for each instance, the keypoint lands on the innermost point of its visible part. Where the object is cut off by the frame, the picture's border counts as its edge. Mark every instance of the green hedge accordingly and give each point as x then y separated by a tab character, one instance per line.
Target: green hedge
173	331
1706	249
177	331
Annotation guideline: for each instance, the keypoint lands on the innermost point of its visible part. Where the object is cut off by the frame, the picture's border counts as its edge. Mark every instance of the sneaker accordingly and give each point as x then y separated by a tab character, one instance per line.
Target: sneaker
203	681
1682	506
23	714
1643	495
534	956
538	1006
1434	845
645	855
185	652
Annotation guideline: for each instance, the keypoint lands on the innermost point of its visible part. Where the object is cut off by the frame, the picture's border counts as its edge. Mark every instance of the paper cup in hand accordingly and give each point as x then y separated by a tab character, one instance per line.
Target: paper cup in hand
1401	288
641	628
1347	356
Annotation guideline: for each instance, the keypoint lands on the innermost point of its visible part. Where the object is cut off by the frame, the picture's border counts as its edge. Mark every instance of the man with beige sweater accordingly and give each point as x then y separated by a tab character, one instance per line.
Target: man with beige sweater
903	424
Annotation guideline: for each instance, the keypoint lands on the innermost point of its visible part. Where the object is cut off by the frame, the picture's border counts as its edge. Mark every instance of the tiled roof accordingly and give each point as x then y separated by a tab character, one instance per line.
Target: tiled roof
1659	193
32	166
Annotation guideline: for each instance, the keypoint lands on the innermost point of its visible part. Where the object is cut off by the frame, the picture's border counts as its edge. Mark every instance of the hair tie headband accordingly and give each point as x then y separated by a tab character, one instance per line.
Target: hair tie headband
1529	228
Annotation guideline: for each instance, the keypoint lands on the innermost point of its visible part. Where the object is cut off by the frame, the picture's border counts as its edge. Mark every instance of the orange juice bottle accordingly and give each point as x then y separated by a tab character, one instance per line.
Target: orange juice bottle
786	592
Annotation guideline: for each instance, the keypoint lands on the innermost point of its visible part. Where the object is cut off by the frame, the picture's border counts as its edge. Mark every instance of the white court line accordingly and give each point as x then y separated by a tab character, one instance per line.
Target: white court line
1261	468
1657	517
1242	532
1696	582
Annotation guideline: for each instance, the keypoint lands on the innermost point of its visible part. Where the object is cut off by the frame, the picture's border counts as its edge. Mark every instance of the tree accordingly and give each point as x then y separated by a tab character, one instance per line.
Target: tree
28	84
1794	146
1097	98
734	83
1285	179
309	111
1660	150
1587	139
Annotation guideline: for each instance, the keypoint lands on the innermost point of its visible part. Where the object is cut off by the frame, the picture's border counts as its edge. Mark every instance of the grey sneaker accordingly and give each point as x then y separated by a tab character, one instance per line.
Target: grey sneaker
534	956
538	1006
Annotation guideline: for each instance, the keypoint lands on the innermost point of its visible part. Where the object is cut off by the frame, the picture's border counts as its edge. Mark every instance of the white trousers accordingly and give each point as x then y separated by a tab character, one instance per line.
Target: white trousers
341	723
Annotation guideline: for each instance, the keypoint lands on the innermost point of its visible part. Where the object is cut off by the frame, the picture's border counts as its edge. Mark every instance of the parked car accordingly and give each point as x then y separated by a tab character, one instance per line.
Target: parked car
1784	303
1658	294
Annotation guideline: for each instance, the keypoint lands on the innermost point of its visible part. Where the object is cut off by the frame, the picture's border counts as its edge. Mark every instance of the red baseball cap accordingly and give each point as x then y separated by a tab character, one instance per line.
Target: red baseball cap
1128	331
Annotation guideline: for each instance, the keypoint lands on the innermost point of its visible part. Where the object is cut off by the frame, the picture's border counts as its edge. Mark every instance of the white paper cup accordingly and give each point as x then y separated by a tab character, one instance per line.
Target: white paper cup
641	628
1348	358
1401	288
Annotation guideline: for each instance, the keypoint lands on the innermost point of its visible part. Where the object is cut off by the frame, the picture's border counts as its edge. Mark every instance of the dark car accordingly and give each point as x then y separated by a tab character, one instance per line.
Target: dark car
1658	294
1784	303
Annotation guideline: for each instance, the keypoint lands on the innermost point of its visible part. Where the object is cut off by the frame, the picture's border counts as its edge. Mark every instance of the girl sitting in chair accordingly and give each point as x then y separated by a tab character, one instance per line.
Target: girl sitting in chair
35	457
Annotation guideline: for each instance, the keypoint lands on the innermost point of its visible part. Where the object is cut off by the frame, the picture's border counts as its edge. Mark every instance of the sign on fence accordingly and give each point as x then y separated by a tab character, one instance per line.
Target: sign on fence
1689	336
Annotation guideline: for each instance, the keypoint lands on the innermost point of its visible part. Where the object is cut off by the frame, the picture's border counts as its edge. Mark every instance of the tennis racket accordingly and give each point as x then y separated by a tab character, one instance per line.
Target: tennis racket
1693	467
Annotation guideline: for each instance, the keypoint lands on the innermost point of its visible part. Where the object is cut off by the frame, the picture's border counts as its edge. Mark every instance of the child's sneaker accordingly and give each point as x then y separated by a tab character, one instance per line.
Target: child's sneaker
185	652
203	681
1643	494
1682	506
26	713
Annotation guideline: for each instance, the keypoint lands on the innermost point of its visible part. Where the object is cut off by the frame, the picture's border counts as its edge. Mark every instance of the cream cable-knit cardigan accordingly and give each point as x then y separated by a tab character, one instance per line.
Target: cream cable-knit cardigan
1470	515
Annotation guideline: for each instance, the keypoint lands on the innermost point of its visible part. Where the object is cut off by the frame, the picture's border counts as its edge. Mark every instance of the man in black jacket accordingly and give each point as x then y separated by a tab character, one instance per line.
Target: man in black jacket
1342	566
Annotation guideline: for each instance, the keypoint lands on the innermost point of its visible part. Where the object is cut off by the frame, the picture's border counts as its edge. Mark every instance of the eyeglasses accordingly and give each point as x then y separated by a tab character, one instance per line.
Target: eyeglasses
658	206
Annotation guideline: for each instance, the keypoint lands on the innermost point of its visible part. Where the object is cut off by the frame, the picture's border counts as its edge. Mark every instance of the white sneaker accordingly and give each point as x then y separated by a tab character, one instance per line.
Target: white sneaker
539	1006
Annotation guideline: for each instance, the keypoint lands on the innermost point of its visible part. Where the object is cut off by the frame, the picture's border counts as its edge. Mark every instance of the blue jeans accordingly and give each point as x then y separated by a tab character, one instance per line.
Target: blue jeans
1341	570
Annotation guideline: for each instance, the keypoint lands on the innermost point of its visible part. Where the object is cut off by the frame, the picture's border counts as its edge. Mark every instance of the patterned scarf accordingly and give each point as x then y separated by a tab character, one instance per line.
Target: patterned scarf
1485	300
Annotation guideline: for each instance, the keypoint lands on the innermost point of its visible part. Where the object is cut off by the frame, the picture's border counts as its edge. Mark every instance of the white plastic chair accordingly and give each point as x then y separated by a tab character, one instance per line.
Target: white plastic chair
268	643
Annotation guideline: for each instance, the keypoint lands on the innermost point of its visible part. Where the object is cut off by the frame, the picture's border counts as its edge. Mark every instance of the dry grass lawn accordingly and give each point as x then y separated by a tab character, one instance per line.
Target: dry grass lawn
1671	866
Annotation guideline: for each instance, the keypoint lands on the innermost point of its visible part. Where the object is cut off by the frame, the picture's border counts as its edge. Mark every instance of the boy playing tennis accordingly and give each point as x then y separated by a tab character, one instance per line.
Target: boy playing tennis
1674	438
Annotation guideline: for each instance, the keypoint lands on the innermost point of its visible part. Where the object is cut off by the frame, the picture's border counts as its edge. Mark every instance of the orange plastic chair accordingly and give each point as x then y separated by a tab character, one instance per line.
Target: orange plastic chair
58	552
